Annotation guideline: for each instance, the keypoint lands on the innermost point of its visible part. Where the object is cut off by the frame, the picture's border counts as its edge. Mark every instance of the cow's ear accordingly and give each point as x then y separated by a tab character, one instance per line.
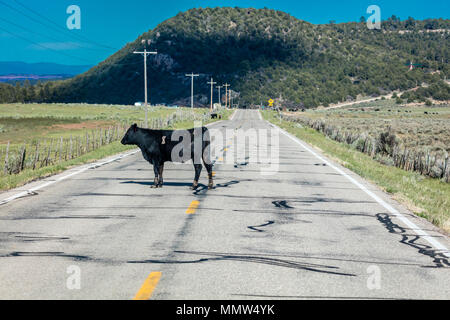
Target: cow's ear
134	126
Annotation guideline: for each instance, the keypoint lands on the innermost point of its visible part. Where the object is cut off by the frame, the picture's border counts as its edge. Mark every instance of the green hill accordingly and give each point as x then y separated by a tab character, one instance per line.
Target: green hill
265	54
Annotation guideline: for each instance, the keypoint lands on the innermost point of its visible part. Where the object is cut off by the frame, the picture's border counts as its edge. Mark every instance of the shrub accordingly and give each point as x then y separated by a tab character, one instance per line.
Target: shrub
387	141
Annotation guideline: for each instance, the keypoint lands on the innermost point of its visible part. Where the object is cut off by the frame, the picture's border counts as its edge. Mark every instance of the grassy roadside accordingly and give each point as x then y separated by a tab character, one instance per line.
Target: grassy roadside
16	180
426	197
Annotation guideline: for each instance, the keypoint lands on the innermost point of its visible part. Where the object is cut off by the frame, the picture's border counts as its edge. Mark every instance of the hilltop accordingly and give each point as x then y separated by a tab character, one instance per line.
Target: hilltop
264	54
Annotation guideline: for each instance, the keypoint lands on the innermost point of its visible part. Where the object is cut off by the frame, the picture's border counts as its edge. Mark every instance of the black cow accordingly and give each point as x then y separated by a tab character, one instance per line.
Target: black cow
159	146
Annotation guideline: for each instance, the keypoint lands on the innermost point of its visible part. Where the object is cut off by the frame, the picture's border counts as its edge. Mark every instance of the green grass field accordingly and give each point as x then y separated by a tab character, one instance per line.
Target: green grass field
21	122
42	126
426	197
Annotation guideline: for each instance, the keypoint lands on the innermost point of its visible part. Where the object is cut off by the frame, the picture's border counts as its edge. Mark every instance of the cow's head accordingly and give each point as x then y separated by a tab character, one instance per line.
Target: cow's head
130	136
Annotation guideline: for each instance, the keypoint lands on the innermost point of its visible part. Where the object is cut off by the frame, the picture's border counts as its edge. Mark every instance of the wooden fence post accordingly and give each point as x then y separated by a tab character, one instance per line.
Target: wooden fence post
60	148
86	148
5	169
36	155
70	149
22	158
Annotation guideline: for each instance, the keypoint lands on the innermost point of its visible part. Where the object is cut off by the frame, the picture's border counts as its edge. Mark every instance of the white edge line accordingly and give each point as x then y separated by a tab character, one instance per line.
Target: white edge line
232	116
383	203
46	184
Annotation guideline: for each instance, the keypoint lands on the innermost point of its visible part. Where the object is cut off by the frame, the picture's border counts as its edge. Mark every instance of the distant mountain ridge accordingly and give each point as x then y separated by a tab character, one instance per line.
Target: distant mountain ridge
33	78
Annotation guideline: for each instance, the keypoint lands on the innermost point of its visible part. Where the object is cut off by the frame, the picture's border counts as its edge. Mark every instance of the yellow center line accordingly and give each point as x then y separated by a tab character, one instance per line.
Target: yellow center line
220	159
192	207
213	173
149	285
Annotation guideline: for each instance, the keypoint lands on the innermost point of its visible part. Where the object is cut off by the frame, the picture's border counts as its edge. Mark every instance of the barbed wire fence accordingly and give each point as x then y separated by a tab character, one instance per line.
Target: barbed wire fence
40	153
385	148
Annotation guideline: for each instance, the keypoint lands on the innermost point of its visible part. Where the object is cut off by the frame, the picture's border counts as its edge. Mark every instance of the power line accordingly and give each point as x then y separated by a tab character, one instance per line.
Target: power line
44	47
62	28
59	29
42	35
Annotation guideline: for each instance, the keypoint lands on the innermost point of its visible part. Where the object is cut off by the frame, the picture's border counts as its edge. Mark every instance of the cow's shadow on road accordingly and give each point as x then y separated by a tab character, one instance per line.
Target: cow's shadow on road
168	184
202	188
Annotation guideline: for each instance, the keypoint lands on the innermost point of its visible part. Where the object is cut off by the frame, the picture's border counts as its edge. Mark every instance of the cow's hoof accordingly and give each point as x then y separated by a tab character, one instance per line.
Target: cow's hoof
210	186
154	186
160	186
194	187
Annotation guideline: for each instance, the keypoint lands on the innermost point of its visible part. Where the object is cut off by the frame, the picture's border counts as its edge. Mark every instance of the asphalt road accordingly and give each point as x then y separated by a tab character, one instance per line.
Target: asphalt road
302	231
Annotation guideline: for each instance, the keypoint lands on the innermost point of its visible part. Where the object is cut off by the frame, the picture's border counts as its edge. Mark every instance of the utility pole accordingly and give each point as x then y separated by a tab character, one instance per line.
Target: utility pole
192	75
212	83
219	87
145	53
226	85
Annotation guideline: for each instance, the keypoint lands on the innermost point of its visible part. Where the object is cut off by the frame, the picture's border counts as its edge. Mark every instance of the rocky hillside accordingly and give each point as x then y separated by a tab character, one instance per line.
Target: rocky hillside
266	54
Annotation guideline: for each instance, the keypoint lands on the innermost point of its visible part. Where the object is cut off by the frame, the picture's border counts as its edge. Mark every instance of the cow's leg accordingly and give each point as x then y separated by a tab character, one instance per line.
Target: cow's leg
206	157
156	171
161	170
209	168
198	170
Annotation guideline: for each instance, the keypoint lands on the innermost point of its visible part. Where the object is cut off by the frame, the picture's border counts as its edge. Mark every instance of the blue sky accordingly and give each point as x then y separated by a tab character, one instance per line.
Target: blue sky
36	30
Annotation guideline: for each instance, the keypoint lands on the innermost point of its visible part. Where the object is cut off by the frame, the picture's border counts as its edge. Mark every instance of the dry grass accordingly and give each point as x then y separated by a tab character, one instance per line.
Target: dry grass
422	131
416	125
426	197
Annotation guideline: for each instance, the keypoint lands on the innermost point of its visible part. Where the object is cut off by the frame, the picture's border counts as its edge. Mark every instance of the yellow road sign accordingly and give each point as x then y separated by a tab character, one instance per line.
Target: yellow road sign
270	101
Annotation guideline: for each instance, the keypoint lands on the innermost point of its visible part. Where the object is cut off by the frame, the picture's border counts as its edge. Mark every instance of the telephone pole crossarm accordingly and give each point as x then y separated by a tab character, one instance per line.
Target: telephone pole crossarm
145	53
192	75
212	83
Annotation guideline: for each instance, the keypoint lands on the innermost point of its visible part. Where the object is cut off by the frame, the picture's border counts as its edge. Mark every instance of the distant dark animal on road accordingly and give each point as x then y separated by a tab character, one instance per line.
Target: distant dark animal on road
215	116
160	146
